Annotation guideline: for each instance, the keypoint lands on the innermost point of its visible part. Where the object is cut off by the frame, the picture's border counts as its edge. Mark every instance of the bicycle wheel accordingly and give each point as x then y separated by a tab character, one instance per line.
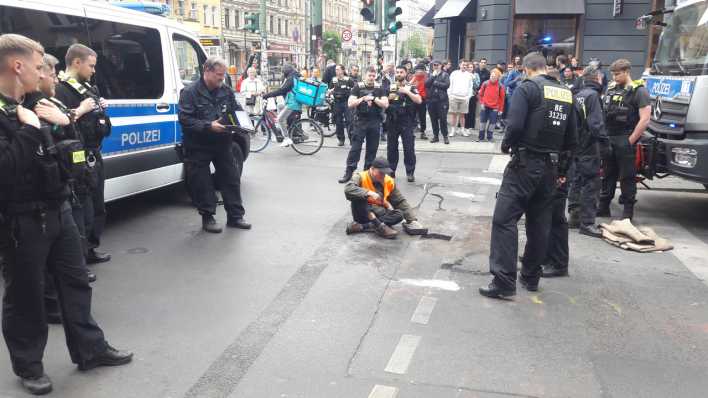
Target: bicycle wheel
307	136
260	137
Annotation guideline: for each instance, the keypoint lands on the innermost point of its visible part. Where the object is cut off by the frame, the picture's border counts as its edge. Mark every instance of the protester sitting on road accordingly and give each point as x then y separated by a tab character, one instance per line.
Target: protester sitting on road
377	204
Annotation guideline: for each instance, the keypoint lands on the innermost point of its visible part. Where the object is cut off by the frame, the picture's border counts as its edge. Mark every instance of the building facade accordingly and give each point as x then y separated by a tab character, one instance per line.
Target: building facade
201	16
502	29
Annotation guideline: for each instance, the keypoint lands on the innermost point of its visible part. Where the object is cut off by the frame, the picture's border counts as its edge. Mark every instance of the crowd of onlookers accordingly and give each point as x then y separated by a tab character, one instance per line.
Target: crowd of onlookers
477	95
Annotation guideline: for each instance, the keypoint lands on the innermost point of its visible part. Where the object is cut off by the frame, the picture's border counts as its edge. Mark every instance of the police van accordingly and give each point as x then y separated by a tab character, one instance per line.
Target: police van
143	63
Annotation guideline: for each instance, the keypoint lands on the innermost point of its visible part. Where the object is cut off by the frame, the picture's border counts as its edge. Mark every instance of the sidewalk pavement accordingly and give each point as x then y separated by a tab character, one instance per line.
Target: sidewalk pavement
458	143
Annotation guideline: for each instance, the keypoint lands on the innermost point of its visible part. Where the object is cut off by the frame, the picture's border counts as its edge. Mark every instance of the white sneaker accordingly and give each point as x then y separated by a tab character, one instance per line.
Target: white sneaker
452	132
465	132
286	142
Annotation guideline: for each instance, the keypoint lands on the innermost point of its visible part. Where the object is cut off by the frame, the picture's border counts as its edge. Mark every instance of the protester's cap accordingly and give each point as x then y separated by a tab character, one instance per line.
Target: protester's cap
435	62
382	164
420	67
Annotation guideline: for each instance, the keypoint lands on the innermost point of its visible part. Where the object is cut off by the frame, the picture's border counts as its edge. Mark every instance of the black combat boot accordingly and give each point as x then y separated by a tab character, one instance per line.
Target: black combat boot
347	176
209	224
590	230
494	290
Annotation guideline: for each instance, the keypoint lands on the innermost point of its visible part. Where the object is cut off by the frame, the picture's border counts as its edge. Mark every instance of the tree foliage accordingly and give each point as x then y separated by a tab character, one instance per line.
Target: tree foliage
331	44
414	47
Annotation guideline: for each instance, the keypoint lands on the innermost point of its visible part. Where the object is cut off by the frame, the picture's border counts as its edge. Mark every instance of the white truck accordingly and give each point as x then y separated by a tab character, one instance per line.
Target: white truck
676	142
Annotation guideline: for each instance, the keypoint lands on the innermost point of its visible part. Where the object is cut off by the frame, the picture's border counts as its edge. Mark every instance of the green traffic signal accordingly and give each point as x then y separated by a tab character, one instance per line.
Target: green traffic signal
252	21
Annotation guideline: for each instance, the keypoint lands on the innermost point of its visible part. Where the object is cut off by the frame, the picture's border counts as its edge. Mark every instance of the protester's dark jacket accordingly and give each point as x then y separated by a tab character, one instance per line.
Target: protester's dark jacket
198	108
436	87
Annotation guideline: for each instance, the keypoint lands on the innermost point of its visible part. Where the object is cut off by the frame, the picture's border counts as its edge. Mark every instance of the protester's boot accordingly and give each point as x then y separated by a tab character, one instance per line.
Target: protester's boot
347	176
386	232
573	219
604	210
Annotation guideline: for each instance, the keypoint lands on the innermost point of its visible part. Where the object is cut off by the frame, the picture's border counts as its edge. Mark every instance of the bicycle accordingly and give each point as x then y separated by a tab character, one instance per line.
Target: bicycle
306	134
324	115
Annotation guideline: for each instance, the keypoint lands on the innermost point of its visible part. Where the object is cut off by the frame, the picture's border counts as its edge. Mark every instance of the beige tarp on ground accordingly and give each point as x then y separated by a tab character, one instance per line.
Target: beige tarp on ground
623	234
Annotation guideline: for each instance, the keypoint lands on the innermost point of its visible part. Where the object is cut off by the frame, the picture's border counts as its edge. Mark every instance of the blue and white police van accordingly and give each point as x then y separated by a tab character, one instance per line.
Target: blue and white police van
143	63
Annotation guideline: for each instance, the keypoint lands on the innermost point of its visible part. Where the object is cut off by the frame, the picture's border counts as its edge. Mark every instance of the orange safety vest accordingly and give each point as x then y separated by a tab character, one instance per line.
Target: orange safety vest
368	184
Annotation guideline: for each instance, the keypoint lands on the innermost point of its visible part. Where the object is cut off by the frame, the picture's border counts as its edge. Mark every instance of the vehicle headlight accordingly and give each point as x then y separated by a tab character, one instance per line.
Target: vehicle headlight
684	157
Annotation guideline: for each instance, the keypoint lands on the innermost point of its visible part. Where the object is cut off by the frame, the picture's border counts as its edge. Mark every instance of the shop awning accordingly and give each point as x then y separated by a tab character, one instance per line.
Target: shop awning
427	19
550	6
452	9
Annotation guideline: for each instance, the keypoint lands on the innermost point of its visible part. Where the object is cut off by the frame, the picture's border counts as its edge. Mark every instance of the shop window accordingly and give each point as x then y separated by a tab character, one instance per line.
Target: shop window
552	36
129	63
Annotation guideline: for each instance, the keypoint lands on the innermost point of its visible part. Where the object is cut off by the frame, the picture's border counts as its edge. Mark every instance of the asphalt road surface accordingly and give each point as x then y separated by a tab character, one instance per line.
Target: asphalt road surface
295	308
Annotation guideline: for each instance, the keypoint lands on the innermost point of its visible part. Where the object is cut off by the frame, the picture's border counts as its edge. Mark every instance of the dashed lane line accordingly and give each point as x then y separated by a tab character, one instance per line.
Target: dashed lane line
380	391
403	354
424	310
498	164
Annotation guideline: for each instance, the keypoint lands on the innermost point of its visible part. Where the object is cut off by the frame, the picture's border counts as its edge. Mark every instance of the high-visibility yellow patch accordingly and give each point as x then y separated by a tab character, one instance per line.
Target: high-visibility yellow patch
557	94
78	156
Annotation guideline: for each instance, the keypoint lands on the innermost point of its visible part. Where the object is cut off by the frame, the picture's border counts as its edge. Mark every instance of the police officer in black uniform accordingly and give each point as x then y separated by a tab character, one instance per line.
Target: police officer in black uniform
401	121
541	127
94	125
341	89
37	230
369	100
206	107
627	114
585	187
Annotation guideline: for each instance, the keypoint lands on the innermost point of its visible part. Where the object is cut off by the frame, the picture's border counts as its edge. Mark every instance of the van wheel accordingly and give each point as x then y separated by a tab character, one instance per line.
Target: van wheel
705	186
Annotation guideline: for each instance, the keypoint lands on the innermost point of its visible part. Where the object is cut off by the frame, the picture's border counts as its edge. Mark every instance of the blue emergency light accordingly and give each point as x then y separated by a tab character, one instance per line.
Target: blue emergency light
149	7
547	39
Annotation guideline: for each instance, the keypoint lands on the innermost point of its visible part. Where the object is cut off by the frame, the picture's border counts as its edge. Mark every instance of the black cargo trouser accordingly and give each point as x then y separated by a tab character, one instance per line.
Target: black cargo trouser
368	130
526	189
438	117
201	184
402	127
341	119
32	244
619	166
95	209
78	206
558	254
421	111
361	209
585	188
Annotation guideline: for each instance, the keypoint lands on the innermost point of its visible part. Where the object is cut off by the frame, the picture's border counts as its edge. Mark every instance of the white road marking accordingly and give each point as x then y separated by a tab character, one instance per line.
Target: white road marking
482	190
380	391
424	310
498	164
481	180
403	354
432	283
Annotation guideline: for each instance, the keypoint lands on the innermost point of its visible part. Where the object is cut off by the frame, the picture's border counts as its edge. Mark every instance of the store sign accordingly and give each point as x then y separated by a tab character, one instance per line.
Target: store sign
617	8
278	47
210	42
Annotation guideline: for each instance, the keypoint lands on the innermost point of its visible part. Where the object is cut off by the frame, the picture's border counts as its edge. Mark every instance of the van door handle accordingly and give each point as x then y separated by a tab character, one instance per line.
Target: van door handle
162	107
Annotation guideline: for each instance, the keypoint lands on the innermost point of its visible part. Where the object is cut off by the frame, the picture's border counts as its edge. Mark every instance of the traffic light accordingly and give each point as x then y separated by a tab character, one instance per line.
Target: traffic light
368	10
251	23
391	12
